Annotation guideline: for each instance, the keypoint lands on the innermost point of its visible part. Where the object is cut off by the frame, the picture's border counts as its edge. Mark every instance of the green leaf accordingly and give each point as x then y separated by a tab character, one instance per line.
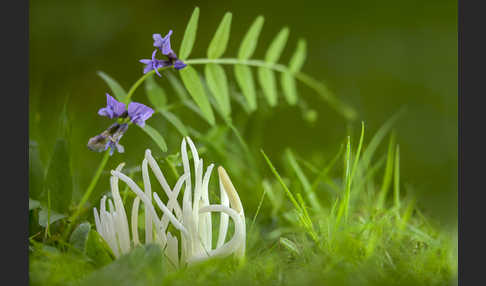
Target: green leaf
388	174
59	181
53	216
155	93
218	44
156	136
64	121
118	91
33	204
266	78
250	41
36	172
298	58
289	88
174	120
189	35
179	89
79	237
193	84
311	196
245	81
276	47
98	250
290	245
378	138
144	265
218	85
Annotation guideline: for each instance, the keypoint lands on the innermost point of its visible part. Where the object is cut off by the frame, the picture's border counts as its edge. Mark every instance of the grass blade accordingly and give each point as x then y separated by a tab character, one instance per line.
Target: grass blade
218	44
396	180
266	78
250	41
311	196
284	186
358	153
156	136
245	81
218	85
323	173
189	35
343	205
377	138
193	84
387	177
276	47
155	93
118	91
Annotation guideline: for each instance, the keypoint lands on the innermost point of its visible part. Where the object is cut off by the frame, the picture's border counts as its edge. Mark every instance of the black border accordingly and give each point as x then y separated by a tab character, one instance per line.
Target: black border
471	77
14	127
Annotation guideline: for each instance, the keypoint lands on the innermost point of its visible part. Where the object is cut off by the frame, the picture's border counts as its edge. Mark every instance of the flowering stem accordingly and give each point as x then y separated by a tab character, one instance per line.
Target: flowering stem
87	193
139	82
317	86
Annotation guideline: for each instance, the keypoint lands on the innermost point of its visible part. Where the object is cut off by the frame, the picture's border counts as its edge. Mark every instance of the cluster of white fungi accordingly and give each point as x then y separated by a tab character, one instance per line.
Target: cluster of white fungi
192	219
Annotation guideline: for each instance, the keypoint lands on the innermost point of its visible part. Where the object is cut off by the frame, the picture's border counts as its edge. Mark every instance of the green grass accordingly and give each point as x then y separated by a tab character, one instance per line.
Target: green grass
308	223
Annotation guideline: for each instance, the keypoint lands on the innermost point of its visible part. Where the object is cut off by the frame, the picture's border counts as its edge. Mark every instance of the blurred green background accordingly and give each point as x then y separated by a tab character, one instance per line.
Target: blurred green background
378	56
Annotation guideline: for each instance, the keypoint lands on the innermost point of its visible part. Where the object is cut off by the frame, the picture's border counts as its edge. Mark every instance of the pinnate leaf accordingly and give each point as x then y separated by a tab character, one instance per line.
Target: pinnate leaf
155	93
218	44
193	84
250	41
245	81
298	58
266	77
118	91
156	136
218	85
189	35
276	47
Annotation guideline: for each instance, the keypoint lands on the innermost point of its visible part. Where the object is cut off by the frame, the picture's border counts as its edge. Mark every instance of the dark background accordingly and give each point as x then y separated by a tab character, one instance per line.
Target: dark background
378	56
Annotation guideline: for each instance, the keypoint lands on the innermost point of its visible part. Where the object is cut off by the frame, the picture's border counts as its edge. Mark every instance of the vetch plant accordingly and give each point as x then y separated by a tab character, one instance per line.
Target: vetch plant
164	45
192	219
137	113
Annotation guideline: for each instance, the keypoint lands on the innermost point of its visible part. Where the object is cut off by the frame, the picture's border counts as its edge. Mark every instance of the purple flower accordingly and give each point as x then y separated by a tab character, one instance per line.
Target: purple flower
154	64
139	113
109	139
113	108
179	64
163	43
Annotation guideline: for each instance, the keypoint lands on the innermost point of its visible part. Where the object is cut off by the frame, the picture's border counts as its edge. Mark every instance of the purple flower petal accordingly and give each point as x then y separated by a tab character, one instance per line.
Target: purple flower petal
139	113
113	108
163	43
179	65
105	111
154	64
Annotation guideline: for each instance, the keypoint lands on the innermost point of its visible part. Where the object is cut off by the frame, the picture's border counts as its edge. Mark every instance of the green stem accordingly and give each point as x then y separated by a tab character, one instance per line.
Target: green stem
317	86
134	87
87	193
